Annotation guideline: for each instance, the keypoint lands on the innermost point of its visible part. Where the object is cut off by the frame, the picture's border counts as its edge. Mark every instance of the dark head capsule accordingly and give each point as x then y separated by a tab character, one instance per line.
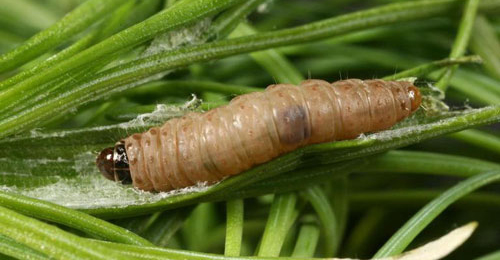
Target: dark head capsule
113	163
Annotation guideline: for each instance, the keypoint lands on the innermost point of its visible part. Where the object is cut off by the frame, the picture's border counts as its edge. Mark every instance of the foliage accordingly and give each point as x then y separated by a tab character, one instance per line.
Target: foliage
77	77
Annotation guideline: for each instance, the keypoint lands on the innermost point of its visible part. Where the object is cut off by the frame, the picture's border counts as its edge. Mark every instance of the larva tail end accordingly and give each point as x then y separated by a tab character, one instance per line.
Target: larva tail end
113	164
105	163
415	97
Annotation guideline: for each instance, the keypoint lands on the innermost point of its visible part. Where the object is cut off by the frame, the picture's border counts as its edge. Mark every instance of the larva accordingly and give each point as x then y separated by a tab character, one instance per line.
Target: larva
255	128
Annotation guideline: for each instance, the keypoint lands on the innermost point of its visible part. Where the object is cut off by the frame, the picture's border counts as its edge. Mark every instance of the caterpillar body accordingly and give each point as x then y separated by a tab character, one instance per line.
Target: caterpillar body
255	128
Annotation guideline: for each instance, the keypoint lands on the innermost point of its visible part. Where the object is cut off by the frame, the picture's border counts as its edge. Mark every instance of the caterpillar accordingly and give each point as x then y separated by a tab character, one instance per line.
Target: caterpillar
253	129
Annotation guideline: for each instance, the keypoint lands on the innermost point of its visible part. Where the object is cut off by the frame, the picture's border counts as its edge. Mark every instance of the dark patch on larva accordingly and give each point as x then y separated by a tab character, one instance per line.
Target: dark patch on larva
294	125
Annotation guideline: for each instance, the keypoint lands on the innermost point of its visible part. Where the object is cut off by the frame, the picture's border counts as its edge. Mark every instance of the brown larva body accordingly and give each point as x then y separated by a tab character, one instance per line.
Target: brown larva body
257	127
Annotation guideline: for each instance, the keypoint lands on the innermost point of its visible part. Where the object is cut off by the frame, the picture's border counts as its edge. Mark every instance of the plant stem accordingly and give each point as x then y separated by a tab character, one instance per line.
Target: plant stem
428	163
281	216
76	21
196	231
121	77
273	61
462	81
485	42
403	237
307	240
109	26
40	15
460	44
425	69
234	227
163	88
479	138
415	198
340	202
364	231
50	240
181	14
229	20
491	256
19	251
71	218
318	199
166	226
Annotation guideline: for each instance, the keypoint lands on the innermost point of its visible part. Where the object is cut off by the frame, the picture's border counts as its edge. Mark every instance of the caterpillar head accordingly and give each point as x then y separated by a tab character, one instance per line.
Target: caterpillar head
113	163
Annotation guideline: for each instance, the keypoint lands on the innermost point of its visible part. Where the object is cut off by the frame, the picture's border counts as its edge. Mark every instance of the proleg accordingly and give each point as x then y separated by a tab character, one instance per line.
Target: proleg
255	128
